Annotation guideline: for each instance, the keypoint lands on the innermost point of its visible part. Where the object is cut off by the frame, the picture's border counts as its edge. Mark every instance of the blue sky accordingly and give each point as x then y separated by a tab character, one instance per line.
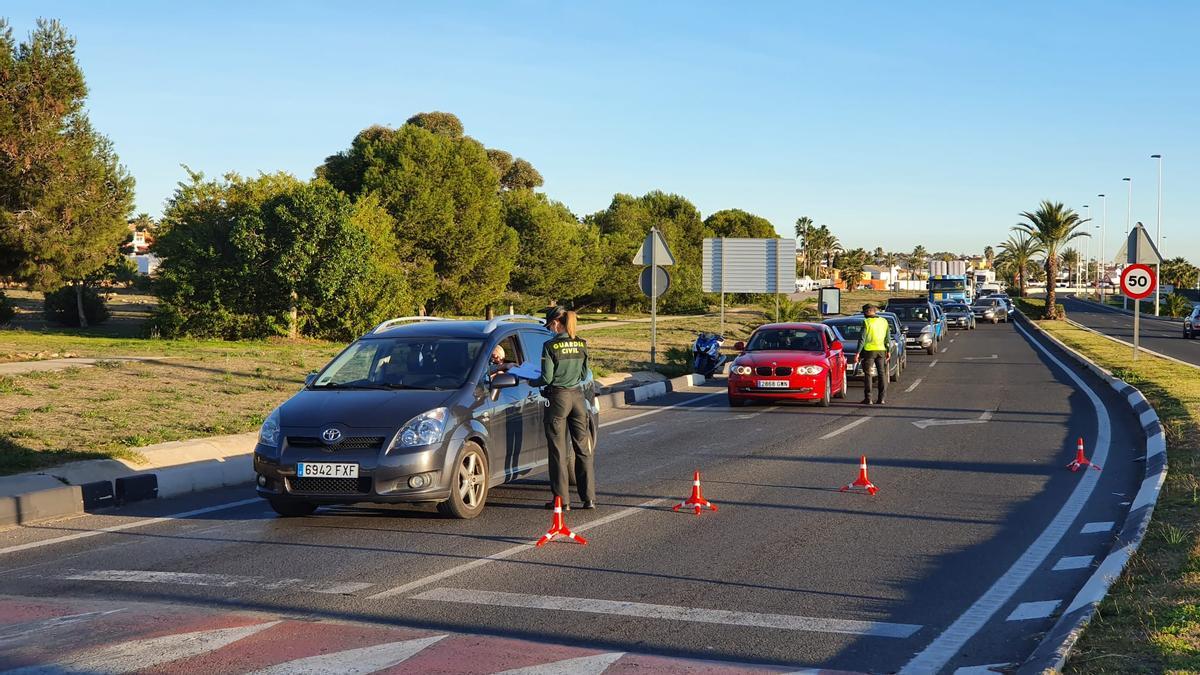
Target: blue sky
894	123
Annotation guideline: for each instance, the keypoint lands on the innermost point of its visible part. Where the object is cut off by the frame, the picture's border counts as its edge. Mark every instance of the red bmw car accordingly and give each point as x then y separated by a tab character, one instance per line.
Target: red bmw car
788	361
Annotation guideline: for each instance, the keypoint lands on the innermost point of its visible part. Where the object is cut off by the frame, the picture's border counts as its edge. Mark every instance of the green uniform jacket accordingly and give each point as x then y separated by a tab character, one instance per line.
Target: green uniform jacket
564	362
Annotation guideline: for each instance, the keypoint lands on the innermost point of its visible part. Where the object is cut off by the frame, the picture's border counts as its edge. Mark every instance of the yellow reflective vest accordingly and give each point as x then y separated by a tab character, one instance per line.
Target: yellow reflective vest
875	334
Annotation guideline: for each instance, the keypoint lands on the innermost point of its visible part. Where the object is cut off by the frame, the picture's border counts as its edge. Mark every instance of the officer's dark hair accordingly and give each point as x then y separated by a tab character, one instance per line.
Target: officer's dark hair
555	312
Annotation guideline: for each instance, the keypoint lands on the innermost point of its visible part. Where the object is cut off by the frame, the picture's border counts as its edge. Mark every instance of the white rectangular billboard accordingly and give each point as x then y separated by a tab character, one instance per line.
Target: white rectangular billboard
749	265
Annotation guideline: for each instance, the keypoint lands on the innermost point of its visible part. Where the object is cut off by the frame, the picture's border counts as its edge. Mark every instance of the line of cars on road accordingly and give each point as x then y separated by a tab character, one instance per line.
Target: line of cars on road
810	361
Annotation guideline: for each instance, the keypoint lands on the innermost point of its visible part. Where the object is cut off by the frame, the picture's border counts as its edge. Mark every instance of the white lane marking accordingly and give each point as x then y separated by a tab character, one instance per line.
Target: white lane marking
989	669
764	410
584	665
952	340
359	661
656	411
219	580
509	552
135	655
945	349
951	641
141	522
670	612
1073	562
632	428
14	631
1099	526
913	386
986	416
1034	610
980	358
933	363
848	427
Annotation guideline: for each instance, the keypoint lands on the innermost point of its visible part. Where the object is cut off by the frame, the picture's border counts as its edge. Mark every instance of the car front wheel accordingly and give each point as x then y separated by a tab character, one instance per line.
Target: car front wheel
842	392
468	485
824	402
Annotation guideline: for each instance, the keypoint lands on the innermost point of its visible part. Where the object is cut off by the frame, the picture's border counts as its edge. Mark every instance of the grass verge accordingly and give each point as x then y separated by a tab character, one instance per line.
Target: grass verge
1150	621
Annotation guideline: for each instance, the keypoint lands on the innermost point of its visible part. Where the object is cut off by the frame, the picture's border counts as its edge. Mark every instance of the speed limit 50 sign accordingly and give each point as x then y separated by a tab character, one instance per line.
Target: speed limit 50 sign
1137	281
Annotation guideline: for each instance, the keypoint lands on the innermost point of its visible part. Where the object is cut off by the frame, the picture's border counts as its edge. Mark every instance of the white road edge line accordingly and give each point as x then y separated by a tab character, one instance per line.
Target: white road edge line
509	552
846	428
682	404
129	526
724	617
950	642
913	386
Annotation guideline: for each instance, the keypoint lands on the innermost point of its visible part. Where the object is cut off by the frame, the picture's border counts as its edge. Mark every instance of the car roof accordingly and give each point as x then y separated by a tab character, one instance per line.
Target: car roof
812	325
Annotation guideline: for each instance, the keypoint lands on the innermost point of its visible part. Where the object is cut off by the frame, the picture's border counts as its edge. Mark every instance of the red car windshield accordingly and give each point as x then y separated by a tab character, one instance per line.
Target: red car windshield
789	339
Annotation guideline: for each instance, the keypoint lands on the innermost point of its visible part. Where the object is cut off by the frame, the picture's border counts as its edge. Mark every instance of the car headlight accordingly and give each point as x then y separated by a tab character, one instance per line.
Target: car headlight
424	429
269	433
809	370
742	370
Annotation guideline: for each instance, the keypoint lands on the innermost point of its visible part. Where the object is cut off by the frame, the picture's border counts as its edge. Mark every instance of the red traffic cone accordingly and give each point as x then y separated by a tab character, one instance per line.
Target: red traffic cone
697	500
1080	461
559	527
862	481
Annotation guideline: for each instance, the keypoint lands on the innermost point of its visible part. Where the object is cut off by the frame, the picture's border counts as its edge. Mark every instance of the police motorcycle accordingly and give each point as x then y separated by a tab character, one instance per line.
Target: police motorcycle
706	354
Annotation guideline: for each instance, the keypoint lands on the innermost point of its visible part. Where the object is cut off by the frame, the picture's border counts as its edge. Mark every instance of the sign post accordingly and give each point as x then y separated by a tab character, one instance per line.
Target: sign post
654	254
1138	281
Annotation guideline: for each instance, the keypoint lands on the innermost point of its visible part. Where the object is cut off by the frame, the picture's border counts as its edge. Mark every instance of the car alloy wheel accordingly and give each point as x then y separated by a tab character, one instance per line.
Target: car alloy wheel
824	402
468	486
842	392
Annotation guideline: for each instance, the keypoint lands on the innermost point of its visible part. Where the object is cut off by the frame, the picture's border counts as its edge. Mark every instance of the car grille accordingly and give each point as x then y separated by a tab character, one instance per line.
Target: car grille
781	371
347	443
340	486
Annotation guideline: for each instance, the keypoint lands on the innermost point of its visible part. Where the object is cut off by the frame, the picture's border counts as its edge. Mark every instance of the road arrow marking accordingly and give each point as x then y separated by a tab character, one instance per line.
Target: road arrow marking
921	424
980	358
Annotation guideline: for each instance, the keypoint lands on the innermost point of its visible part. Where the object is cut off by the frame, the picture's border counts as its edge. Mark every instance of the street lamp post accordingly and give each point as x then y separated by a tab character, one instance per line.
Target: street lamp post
1086	249
1128	215
1099	269
1158	236
1103	249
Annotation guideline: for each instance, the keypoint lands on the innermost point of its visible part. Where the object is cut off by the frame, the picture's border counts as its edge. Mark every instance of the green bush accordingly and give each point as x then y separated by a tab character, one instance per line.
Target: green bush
60	307
7	311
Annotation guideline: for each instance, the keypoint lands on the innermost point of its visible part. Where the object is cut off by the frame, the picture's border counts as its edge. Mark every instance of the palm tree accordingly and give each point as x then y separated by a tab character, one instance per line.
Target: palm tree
1070	260
916	259
1016	257
1052	226
990	256
804	226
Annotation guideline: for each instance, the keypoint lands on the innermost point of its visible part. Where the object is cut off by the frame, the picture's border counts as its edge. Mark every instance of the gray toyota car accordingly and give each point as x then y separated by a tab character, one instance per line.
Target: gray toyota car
411	412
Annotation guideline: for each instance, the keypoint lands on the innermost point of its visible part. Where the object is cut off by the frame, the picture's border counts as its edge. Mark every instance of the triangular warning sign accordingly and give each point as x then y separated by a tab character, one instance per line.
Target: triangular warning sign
654	251
1140	248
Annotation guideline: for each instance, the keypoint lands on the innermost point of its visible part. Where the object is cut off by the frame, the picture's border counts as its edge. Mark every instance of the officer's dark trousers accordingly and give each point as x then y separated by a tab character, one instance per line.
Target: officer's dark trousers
874	368
566	426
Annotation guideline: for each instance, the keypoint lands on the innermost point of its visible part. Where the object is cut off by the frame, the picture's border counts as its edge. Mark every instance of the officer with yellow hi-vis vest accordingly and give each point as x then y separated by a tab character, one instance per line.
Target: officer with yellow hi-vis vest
564	370
873	353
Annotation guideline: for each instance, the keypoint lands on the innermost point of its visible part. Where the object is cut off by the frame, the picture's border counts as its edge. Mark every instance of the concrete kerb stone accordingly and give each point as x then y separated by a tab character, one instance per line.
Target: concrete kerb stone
1056	645
183	467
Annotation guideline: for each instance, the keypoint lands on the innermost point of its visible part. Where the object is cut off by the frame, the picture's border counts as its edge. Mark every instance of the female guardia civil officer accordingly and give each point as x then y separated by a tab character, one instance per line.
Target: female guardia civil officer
564	368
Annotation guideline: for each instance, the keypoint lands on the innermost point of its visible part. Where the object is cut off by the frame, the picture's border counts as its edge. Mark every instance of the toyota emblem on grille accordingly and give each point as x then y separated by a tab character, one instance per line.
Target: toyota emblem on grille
331	435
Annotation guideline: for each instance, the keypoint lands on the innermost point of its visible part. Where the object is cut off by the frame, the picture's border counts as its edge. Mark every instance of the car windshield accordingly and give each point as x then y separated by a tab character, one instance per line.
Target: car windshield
910	312
987	302
947	285
851	330
790	339
402	363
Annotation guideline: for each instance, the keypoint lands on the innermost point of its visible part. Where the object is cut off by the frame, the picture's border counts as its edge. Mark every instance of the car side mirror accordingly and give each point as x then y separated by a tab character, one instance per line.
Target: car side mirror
836	346
309	379
739	346
503	381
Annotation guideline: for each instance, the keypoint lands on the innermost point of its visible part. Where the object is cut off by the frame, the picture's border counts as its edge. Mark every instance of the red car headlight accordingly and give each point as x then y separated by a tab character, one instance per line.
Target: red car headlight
809	370
742	370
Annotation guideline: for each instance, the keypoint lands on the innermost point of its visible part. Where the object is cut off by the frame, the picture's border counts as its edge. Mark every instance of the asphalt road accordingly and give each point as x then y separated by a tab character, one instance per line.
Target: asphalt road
953	563
1164	337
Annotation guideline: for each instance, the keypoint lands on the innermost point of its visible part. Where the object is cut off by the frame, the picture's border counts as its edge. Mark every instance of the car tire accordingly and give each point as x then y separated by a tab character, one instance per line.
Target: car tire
824	402
995	321
468	484
931	349
894	377
292	508
845	387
